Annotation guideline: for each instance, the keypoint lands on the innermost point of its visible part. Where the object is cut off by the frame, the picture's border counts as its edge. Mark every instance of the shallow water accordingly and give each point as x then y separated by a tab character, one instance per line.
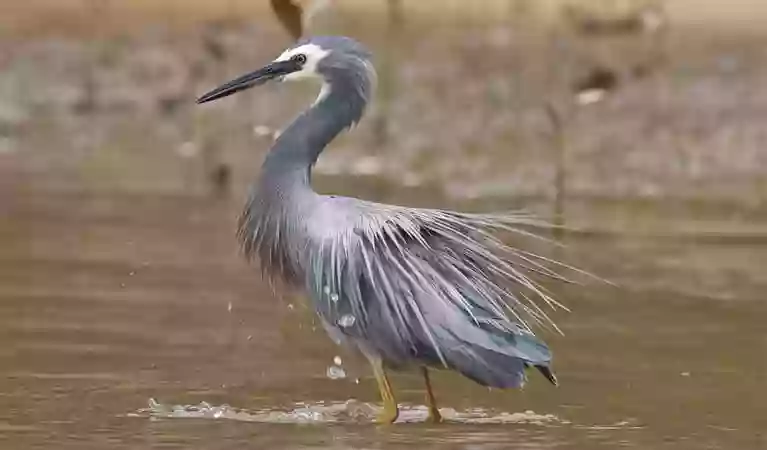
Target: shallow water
130	321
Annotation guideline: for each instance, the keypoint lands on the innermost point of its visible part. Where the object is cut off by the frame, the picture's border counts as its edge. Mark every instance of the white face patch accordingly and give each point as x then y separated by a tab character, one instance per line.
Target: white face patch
314	54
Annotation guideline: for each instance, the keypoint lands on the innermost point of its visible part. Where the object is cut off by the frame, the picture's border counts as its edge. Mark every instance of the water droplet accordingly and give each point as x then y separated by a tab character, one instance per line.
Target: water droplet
337	360
356	381
334	297
229	307
290	306
335	373
326	290
122	285
347	320
250	336
218	413
131	273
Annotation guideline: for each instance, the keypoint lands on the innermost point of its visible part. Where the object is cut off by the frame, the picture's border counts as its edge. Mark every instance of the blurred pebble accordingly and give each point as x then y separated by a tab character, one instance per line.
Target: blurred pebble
7	146
262	131
590	96
368	165
187	150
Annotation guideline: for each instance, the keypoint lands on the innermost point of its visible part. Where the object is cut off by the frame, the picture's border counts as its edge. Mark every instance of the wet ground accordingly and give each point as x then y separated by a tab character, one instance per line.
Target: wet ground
130	321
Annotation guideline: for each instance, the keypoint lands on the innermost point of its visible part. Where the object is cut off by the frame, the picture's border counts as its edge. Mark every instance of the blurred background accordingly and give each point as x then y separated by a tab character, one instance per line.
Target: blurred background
124	304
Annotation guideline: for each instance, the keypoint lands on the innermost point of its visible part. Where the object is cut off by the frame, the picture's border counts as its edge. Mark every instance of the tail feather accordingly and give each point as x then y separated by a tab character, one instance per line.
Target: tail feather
494	357
546	372
488	368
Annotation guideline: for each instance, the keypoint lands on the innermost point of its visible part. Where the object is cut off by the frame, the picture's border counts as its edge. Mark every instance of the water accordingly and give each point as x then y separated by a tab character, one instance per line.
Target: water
346	321
130	322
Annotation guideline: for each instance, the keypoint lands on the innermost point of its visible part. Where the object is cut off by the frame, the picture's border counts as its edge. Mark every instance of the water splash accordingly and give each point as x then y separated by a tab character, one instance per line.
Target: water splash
351	410
336	373
629	424
480	416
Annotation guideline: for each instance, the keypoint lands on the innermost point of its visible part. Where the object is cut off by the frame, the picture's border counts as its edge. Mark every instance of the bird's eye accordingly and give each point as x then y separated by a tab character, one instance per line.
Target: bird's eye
299	58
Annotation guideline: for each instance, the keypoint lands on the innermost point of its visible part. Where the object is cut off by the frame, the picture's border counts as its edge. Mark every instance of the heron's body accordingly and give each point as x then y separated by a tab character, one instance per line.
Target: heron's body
406	286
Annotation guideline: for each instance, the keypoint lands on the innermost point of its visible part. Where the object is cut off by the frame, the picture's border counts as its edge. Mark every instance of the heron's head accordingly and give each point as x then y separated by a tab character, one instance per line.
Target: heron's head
330	59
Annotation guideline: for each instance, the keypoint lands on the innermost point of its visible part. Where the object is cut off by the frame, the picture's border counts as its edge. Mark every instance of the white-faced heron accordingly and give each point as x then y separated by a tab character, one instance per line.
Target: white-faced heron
407	287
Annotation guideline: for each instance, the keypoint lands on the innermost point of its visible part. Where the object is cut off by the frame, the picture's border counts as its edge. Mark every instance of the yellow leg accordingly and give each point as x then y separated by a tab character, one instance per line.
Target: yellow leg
434	415
390	411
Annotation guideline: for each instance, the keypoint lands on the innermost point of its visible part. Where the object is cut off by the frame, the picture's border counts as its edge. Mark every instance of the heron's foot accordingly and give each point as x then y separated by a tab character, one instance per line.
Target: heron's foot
390	411
388	415
434	415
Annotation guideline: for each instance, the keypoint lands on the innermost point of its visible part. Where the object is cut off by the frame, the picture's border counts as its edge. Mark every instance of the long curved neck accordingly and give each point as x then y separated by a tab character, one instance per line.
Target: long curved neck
288	164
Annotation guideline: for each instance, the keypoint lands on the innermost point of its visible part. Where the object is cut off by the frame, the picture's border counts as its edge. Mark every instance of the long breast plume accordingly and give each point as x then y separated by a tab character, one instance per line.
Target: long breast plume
404	269
267	237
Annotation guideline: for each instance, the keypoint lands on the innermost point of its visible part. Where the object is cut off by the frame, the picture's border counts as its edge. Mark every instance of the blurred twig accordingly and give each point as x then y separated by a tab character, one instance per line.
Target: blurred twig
98	12
559	144
217	171
395	20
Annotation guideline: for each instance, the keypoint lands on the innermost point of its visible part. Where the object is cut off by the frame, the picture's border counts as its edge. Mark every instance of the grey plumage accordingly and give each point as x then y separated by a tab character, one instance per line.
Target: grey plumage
406	286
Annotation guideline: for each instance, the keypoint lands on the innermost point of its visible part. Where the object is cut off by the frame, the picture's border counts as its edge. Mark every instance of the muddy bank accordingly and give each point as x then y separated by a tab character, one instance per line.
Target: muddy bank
467	115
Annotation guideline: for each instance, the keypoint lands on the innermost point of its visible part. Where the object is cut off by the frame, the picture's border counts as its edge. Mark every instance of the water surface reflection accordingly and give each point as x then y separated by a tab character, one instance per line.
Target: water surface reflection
109	301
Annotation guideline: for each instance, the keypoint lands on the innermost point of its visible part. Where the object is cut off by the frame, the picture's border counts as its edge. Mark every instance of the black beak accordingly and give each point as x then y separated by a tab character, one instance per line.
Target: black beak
274	70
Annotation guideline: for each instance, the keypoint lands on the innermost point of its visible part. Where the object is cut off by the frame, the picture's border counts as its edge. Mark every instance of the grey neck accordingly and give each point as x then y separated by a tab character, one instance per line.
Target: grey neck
288	165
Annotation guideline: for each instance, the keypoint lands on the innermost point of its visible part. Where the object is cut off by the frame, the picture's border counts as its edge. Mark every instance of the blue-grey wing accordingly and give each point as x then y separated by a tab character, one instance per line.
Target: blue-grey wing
427	286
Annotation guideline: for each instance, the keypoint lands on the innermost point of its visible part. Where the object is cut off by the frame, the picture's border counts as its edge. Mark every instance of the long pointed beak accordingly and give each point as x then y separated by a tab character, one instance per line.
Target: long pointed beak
274	70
